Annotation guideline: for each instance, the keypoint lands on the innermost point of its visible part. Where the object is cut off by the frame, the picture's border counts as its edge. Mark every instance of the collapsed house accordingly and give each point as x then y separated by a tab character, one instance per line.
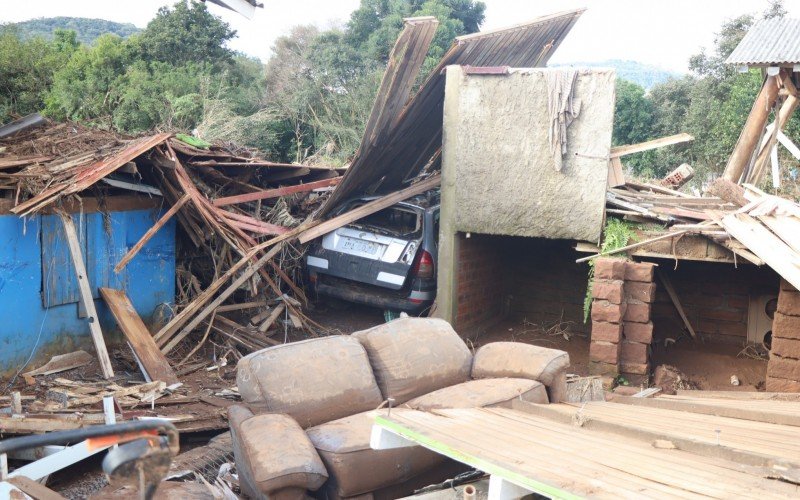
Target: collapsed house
526	193
528	180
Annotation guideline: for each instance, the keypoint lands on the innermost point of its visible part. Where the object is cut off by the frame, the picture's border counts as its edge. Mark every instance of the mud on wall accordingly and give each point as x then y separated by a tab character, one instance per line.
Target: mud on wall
497	164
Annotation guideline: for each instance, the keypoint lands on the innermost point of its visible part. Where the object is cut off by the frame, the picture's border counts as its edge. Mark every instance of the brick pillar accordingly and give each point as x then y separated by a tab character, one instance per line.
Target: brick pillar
783	369
608	310
637	332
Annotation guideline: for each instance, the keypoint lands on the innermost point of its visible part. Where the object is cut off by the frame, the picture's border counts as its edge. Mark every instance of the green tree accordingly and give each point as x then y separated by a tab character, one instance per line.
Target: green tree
185	33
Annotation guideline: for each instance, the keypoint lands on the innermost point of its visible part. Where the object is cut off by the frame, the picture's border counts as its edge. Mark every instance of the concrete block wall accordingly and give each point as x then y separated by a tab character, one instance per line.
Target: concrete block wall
783	369
622	294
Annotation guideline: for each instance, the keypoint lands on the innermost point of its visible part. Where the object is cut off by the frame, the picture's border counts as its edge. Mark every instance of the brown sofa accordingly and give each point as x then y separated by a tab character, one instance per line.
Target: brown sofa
306	420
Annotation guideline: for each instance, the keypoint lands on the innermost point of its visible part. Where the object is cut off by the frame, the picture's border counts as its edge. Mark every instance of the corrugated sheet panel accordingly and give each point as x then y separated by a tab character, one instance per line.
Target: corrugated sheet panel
417	133
770	42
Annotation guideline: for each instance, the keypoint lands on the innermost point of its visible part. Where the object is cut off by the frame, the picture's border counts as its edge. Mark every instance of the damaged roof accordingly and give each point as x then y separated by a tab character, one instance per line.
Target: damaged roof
414	132
770	42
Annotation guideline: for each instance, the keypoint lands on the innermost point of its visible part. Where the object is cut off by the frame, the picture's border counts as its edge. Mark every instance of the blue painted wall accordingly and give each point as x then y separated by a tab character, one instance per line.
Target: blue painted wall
25	324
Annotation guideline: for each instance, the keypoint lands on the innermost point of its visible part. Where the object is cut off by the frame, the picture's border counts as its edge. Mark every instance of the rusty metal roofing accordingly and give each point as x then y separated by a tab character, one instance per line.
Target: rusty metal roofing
770	42
415	134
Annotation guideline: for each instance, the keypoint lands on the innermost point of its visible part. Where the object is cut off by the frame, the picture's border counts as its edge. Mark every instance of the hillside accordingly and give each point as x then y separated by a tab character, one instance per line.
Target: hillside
643	74
87	29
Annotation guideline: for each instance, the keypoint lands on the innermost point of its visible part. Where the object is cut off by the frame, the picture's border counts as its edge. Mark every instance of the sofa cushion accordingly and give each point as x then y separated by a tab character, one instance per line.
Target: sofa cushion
483	392
273	453
414	356
515	359
314	380
354	467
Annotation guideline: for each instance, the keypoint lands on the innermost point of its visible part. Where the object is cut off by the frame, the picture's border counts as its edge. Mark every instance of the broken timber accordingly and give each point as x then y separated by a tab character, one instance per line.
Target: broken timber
370	208
154	363
274	193
150	233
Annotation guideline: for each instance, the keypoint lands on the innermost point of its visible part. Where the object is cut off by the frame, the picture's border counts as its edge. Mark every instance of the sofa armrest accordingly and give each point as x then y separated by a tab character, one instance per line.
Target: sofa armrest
515	359
273	455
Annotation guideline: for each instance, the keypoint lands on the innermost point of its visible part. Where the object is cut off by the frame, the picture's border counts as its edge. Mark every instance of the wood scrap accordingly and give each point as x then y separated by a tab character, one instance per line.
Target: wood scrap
154	363
619	151
62	362
673	296
86	295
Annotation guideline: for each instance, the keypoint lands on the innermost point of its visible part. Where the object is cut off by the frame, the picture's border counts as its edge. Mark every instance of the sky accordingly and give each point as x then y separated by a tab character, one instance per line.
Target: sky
663	33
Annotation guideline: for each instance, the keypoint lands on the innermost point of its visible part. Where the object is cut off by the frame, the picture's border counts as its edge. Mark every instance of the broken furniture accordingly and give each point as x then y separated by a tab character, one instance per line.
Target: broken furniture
329	386
525	452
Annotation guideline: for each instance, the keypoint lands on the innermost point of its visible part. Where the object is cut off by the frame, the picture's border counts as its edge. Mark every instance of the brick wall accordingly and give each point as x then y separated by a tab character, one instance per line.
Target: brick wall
481	281
783	369
545	285
714	296
622	294
527	278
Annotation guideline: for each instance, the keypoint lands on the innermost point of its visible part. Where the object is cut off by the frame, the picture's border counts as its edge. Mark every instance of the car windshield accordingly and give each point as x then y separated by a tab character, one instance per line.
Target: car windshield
392	221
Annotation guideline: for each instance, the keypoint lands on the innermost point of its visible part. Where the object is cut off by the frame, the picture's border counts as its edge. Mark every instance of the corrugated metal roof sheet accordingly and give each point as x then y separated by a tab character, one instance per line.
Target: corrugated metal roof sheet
770	42
416	134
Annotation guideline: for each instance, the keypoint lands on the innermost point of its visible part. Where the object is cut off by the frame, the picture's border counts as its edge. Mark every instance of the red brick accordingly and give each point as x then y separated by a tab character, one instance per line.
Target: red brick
603	369
639	332
785	285
645	292
785	348
786	368
738	301
787	327
639	271
722	314
637	312
635	368
607	290
604	352
606	332
609	269
633	352
782	385
789	303
603	310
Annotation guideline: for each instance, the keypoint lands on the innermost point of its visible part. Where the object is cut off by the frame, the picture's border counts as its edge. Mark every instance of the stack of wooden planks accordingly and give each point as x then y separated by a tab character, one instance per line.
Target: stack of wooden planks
526	453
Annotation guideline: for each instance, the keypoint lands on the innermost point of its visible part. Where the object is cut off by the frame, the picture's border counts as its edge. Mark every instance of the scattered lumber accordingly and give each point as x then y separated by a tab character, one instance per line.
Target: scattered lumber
155	365
274	193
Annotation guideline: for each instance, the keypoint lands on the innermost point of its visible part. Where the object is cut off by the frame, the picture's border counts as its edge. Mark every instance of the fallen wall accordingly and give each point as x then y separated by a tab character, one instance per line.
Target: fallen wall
496	147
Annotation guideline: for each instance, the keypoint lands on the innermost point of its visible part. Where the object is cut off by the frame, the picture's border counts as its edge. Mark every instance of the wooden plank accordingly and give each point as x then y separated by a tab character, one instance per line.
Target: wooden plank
648	145
787	228
369	208
740	395
86	296
273	316
537	453
768	247
673	296
751	132
746	442
155	364
243	305
33	489
705	407
275	193
633	245
150	233
62	362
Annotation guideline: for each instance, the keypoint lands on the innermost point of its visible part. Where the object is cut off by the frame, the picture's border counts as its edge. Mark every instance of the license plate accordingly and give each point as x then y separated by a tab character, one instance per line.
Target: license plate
360	246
